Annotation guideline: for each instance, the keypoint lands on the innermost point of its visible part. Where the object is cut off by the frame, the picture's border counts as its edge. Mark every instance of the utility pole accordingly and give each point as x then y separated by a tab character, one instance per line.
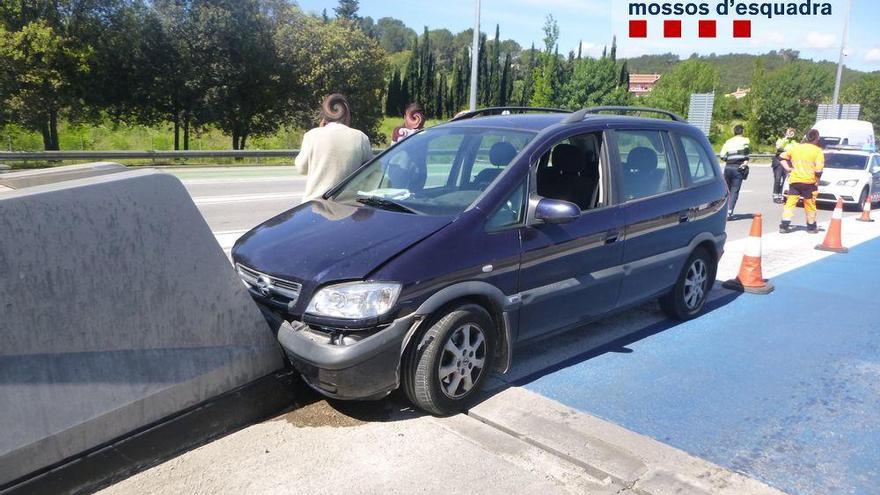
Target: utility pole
840	62
475	58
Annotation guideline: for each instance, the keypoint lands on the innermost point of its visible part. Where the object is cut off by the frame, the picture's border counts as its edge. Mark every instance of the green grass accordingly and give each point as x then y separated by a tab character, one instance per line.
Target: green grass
109	136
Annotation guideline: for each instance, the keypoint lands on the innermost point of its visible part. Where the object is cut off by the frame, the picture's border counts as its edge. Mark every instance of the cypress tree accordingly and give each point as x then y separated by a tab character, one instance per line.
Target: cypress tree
613	54
413	82
505	83
623	79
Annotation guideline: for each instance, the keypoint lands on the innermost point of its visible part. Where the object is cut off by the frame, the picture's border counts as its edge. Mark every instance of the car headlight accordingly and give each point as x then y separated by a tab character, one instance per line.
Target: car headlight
848	183
354	300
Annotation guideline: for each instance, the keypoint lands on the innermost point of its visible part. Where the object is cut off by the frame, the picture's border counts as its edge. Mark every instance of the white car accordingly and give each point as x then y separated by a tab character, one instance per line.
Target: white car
851	175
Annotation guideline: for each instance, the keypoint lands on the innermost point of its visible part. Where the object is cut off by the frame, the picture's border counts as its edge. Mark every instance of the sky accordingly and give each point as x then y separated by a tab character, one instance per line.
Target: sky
593	22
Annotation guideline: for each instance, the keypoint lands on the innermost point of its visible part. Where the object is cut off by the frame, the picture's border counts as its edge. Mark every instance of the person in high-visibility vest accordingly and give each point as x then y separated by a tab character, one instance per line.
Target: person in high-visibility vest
735	153
804	163
783	144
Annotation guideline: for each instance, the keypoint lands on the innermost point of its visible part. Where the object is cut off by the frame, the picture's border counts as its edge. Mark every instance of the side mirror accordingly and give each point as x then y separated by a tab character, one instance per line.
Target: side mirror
556	211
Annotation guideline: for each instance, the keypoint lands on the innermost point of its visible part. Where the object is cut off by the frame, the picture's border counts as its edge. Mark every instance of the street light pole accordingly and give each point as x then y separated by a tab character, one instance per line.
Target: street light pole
475	58
836	97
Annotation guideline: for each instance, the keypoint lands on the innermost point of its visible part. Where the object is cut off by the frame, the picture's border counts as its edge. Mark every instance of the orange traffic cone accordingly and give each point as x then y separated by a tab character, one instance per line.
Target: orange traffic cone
866	211
832	238
750	278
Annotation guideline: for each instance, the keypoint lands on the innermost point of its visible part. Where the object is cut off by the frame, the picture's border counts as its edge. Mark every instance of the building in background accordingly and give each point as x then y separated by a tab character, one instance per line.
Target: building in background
641	84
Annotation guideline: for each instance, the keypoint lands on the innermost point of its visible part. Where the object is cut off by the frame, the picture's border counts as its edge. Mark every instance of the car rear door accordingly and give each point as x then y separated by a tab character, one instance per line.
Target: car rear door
570	273
656	211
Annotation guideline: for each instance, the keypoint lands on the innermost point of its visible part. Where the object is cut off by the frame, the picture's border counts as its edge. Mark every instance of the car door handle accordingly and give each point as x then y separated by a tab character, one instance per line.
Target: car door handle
684	216
612	236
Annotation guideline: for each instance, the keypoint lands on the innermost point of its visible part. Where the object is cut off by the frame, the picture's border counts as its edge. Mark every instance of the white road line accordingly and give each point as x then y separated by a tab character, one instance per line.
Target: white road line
246	198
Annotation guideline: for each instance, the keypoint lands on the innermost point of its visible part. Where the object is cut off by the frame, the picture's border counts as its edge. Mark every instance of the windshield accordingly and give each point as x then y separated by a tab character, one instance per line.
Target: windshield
844	161
439	171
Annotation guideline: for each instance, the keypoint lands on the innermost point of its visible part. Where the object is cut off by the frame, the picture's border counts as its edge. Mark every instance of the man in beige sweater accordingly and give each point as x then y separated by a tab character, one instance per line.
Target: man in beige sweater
331	152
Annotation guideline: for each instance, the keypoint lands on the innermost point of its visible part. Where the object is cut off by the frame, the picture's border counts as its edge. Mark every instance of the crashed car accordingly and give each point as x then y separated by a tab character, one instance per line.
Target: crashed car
430	264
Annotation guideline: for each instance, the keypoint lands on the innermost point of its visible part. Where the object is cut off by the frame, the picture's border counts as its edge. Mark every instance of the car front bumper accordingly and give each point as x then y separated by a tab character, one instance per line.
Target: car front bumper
366	369
832	193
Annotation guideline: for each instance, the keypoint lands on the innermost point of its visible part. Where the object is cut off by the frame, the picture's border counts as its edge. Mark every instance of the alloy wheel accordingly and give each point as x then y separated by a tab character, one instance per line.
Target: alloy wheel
462	361
695	284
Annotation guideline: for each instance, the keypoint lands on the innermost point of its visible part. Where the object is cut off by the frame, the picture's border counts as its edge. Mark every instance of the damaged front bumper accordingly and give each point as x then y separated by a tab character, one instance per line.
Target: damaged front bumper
347	368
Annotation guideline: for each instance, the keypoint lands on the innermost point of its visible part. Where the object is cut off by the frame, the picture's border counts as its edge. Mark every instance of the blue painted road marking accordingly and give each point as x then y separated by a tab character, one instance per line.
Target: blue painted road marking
784	388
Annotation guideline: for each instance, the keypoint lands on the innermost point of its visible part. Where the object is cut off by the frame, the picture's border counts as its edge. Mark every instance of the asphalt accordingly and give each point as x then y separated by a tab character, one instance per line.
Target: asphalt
784	388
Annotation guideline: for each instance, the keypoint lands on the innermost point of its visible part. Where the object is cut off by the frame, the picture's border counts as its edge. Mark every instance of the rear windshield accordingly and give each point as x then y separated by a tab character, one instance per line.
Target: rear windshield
848	162
438	171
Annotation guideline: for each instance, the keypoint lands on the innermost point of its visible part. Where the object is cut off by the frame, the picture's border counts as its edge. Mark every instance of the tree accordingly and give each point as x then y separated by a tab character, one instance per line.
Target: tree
248	81
177	85
347	10
42	59
336	59
594	82
788	97
866	92
673	90
393	35
545	85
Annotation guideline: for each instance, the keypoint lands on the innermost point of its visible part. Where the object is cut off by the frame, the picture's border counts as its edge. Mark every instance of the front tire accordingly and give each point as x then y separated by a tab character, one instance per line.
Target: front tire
862	198
687	298
449	363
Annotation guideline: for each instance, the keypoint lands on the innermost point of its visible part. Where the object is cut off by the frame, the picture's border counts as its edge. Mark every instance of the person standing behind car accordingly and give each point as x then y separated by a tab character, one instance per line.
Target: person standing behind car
735	153
413	122
332	151
804	163
783	145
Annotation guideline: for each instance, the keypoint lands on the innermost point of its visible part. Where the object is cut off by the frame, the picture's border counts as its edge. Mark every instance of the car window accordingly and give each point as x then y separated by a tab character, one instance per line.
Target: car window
438	171
573	170
494	153
846	161
645	164
699	166
511	210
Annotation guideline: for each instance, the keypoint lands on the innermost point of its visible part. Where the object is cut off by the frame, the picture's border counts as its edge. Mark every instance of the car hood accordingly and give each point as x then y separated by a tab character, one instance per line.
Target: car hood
322	241
832	175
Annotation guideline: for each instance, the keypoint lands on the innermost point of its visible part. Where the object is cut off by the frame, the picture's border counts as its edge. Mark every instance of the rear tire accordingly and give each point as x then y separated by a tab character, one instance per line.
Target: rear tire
687	298
447	364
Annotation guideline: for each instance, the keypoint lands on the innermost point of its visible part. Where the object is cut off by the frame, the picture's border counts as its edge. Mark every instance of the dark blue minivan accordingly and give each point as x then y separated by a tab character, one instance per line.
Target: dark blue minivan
426	267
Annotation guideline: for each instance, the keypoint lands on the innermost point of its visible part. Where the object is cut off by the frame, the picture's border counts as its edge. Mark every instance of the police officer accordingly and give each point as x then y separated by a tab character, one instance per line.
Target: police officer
735	154
783	144
804	163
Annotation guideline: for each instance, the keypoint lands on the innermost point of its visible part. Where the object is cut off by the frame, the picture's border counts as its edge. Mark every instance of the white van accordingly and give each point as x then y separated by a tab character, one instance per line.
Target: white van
852	134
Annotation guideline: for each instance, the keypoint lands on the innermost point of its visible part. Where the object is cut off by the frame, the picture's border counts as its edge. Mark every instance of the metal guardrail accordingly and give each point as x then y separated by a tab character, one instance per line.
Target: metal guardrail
142	155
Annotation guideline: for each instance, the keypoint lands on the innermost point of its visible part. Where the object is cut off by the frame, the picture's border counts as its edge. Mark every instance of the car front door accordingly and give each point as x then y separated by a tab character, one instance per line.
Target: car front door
570	272
656	212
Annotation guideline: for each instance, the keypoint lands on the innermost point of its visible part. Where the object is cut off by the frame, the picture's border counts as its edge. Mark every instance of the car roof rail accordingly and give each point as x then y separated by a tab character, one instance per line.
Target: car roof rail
500	111
581	114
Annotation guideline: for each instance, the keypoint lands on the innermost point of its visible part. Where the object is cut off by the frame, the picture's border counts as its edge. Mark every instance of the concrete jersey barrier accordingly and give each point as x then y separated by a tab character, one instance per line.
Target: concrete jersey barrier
38	177
117	309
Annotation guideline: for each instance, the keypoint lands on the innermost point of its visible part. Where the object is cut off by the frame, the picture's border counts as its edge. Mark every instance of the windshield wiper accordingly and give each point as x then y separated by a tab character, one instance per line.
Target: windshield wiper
385	204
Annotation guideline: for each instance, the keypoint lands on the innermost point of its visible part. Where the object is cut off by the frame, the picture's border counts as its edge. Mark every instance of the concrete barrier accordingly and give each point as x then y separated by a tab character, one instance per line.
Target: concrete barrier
38	177
117	309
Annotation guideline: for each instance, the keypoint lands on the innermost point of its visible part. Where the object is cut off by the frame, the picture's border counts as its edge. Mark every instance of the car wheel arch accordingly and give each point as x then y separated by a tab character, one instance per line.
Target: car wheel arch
483	294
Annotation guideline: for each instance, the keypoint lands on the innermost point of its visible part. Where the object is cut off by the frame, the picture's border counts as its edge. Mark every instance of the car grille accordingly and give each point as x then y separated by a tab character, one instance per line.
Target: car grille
824	183
283	292
826	196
